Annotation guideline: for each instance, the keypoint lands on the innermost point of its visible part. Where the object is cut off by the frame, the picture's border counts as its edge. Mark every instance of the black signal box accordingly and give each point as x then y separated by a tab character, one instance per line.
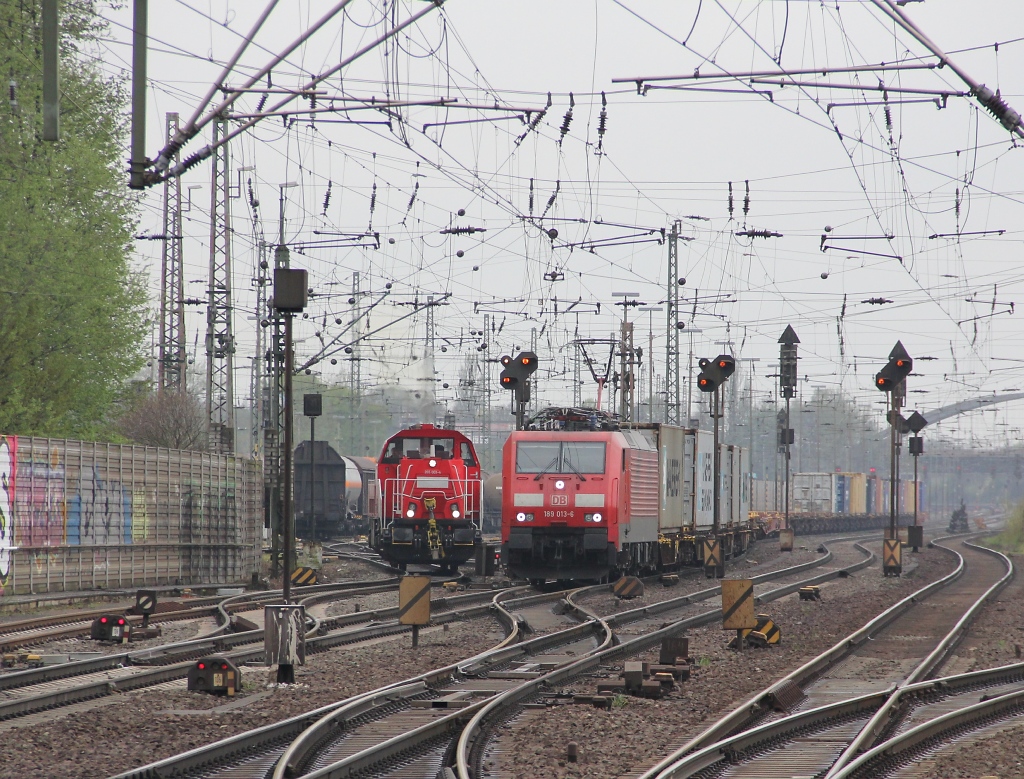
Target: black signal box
109	627
217	675
312	404
290	291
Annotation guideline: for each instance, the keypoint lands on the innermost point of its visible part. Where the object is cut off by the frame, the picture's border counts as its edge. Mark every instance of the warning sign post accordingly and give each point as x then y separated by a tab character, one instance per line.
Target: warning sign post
414	604
738	607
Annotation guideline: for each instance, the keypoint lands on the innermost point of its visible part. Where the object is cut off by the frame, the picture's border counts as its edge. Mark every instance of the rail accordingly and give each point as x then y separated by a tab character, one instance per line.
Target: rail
715	743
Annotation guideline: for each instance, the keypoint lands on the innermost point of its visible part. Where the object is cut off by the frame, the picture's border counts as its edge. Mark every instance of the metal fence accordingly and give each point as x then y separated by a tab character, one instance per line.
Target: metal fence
77	515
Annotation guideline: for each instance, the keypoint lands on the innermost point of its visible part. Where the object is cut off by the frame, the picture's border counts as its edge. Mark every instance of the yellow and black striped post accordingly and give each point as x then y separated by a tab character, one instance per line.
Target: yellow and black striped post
303	577
714	562
738	607
414	604
628	587
786	536
892	563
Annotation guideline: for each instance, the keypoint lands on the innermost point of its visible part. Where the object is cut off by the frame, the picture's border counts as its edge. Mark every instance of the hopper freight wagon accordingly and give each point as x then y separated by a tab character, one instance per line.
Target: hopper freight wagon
580	503
318	491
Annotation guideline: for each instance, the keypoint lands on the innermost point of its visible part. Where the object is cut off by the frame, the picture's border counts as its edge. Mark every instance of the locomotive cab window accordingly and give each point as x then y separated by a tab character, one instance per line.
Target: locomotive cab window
466	455
560	457
393	452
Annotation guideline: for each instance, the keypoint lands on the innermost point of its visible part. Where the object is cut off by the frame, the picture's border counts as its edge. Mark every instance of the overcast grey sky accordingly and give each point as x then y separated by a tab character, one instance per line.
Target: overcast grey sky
912	169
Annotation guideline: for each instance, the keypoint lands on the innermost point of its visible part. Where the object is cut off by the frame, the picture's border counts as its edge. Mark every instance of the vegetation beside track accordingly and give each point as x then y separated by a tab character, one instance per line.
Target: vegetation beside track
1011	540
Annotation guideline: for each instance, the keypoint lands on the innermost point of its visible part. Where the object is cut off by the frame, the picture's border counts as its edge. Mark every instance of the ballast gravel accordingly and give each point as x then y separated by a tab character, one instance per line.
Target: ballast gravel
996	639
638	732
147	726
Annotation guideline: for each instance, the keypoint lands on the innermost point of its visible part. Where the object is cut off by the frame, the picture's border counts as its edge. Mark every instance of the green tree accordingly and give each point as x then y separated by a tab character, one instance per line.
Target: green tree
71	309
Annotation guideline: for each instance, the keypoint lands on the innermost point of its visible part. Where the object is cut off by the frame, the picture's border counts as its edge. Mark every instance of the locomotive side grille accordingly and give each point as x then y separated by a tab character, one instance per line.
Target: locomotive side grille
643	483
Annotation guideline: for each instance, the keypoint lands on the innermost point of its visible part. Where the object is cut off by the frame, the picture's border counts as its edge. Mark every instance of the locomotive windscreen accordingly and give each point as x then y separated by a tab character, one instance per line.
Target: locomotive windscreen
560	457
433	446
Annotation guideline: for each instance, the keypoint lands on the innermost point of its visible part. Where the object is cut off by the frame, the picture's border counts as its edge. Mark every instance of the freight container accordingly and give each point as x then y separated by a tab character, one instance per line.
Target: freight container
741	486
674	463
704	476
725	486
858	493
811	493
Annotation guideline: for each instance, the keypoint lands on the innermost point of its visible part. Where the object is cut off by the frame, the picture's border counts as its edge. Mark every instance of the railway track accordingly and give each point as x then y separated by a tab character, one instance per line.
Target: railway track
427	714
820	718
222	610
25	692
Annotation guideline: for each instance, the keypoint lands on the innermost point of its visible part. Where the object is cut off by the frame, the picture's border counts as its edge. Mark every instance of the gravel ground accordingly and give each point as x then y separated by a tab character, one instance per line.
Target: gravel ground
996	638
762	557
616	742
21	613
343	570
149	726
999	756
172	631
80	744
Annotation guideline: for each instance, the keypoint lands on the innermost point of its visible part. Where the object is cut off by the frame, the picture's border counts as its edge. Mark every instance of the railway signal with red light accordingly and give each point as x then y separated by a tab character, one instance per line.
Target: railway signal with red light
709	377
895	371
527	362
216	675
713	373
109	628
726	365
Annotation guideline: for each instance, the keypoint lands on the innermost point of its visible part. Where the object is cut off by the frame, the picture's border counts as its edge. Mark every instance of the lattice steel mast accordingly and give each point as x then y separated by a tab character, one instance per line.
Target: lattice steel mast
220	345
172	294
672	327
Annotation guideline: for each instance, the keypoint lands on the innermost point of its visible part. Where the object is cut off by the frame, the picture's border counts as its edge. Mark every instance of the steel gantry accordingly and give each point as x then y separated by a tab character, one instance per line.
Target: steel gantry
220	344
172	292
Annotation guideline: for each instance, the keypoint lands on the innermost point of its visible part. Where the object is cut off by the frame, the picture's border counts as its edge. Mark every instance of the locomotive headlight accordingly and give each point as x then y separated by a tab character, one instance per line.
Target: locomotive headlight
433	463
559	485
455	511
596	517
524	517
411	511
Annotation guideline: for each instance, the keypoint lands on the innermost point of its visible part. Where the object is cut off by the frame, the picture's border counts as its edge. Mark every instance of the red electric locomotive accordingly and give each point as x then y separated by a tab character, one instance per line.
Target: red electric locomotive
431	493
585	500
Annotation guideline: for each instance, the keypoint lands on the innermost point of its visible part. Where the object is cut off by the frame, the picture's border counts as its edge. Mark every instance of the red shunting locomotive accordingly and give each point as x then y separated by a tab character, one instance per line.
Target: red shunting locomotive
431	493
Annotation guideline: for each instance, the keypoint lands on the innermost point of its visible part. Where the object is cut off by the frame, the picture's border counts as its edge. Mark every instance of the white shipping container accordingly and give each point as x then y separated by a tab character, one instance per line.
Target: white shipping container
813	487
810	506
741	485
725	515
676	506
704	477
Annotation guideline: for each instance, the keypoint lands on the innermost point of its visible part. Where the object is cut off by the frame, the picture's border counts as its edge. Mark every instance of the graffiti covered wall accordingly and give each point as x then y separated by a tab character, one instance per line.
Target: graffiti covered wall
76	515
8	463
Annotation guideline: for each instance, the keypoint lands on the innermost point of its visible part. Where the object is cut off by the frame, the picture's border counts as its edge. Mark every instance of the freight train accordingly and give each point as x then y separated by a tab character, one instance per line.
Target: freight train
431	506
583	498
334	495
836	502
